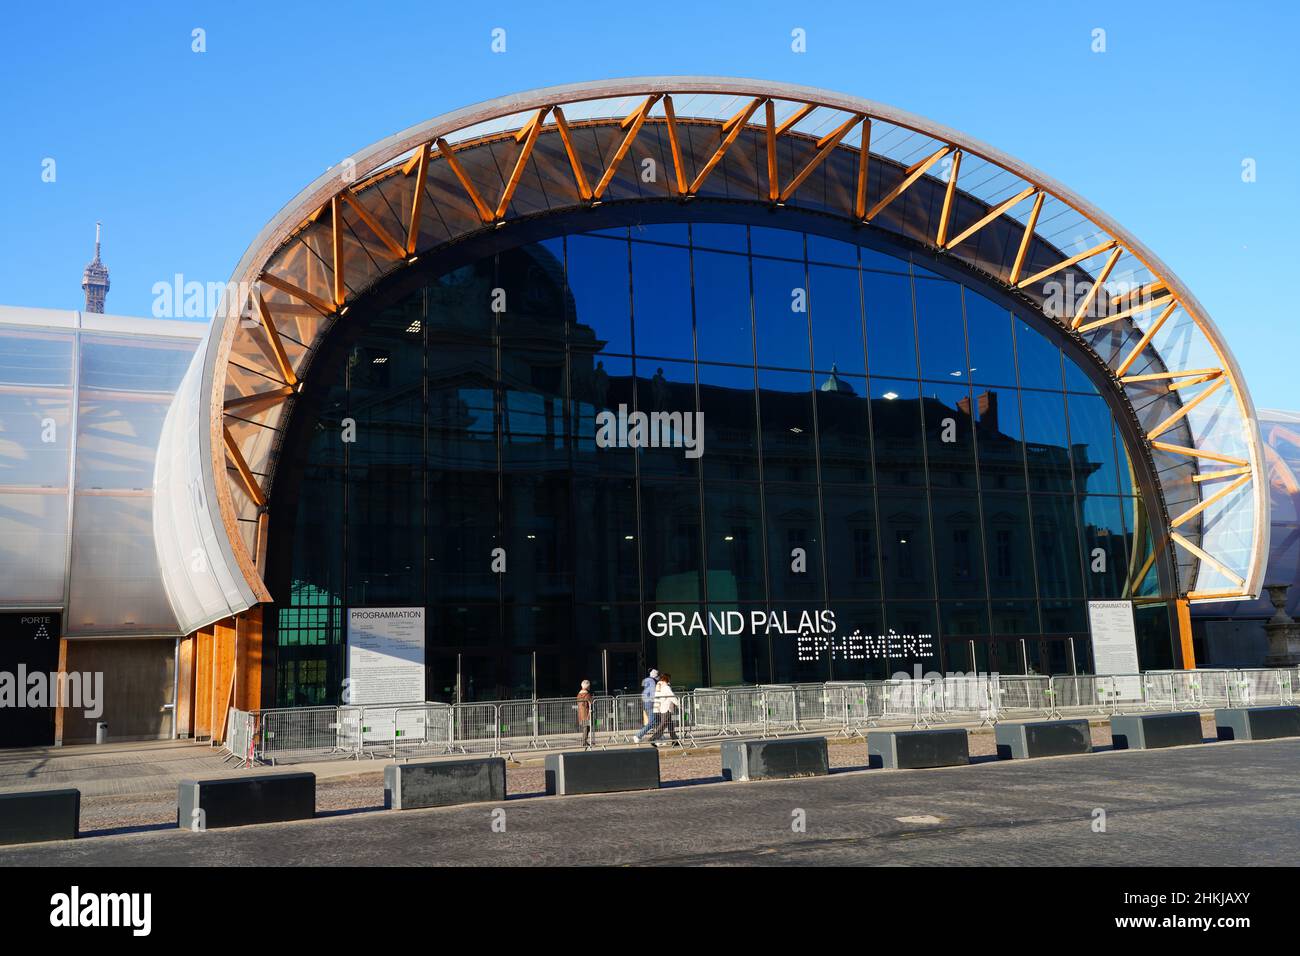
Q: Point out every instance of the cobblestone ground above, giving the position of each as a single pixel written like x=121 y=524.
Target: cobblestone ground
x=135 y=800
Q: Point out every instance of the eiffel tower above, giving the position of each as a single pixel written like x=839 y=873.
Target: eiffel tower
x=95 y=280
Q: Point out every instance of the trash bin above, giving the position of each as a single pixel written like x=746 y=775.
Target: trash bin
x=101 y=732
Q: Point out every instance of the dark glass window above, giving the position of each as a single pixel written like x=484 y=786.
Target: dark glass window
x=724 y=328
x=601 y=290
x=941 y=332
x=781 y=314
x=903 y=452
x=836 y=310
x=891 y=330
x=661 y=301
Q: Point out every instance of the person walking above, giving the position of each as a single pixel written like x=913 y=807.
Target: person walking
x=584 y=715
x=648 y=715
x=666 y=704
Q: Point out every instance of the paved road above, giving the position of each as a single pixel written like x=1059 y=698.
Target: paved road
x=1220 y=804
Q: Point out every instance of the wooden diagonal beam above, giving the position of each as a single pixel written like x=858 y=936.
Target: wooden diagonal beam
x=533 y=128
x=825 y=146
x=679 y=172
x=1114 y=317
x=1143 y=342
x=377 y=227
x=864 y=163
x=1223 y=492
x=417 y=200
x=566 y=137
x=634 y=122
x=795 y=117
x=466 y=183
x=773 y=171
x=725 y=144
x=1209 y=559
x=992 y=214
x=1153 y=376
x=913 y=174
x=1199 y=453
x=1065 y=264
x=246 y=477
x=1030 y=225
x=945 y=213
x=273 y=337
x=252 y=404
x=1188 y=383
x=1097 y=283
x=336 y=244
x=1177 y=416
x=317 y=303
x=1220 y=474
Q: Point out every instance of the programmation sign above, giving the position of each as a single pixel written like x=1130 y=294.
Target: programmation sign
x=1114 y=643
x=385 y=655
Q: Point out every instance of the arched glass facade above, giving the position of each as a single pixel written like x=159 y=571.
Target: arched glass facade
x=882 y=447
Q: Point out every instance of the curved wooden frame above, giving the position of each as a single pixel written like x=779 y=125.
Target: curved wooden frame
x=785 y=117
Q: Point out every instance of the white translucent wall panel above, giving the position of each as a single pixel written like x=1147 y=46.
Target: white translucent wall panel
x=125 y=388
x=33 y=549
x=36 y=374
x=198 y=571
x=116 y=588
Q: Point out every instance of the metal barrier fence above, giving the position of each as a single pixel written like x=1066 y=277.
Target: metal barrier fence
x=842 y=708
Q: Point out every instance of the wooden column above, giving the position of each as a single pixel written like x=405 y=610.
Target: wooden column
x=59 y=702
x=185 y=685
x=223 y=675
x=248 y=660
x=203 y=682
x=1185 y=634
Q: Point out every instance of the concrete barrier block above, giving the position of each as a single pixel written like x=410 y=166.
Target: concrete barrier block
x=444 y=783
x=602 y=771
x=239 y=801
x=1257 y=723
x=1042 y=738
x=917 y=749
x=1151 y=731
x=775 y=759
x=38 y=816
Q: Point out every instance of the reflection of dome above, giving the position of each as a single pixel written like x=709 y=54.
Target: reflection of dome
x=837 y=384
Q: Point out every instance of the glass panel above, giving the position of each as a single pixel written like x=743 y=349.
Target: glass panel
x=1047 y=450
x=1039 y=361
x=661 y=301
x=1056 y=546
x=941 y=331
x=598 y=281
x=852 y=544
x=844 y=429
x=670 y=550
x=786 y=413
x=958 y=560
x=891 y=333
x=1091 y=446
x=783 y=243
x=733 y=521
x=717 y=235
x=949 y=435
x=1007 y=548
x=1105 y=556
x=781 y=314
x=896 y=431
x=836 y=312
x=992 y=355
x=794 y=542
x=605 y=541
x=905 y=543
x=724 y=328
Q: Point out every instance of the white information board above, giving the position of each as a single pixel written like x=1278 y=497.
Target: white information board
x=1114 y=643
x=385 y=655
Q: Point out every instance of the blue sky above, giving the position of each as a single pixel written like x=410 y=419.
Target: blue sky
x=184 y=156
